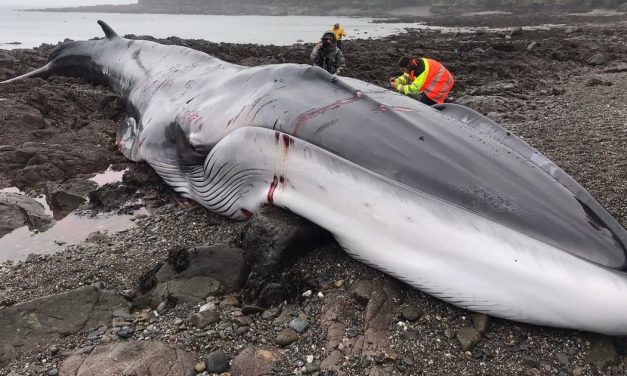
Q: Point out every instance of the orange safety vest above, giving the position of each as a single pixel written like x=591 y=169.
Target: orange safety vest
x=439 y=81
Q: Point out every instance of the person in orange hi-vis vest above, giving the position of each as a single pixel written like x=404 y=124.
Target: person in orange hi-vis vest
x=426 y=76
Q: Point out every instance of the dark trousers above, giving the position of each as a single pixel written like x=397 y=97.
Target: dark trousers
x=426 y=100
x=339 y=44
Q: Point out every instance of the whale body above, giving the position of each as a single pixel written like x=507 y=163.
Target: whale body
x=440 y=197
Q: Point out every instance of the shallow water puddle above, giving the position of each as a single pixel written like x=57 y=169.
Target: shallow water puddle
x=72 y=229
x=108 y=177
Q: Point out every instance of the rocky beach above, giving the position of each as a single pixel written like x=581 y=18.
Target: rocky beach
x=186 y=292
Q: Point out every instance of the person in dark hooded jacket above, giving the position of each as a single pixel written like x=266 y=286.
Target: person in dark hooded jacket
x=327 y=56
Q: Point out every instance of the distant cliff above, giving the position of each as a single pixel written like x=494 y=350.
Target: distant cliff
x=522 y=5
x=283 y=6
x=347 y=7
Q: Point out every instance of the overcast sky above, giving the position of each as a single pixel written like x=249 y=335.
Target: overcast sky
x=59 y=3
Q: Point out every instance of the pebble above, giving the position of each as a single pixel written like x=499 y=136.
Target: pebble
x=200 y=367
x=216 y=362
x=125 y=332
x=562 y=358
x=410 y=313
x=299 y=325
x=207 y=307
x=286 y=336
x=204 y=318
x=178 y=321
x=449 y=333
x=271 y=313
x=53 y=372
x=480 y=321
x=229 y=301
x=312 y=368
x=468 y=338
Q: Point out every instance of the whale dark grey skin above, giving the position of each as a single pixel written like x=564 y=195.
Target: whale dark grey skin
x=441 y=198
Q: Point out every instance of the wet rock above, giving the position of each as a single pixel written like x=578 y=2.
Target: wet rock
x=480 y=321
x=221 y=262
x=112 y=196
x=602 y=353
x=139 y=175
x=254 y=361
x=271 y=294
x=216 y=362
x=28 y=325
x=69 y=195
x=187 y=290
x=286 y=336
x=129 y=358
x=597 y=59
x=202 y=319
x=468 y=338
x=18 y=210
x=299 y=325
x=275 y=237
x=211 y=270
x=97 y=237
x=21 y=117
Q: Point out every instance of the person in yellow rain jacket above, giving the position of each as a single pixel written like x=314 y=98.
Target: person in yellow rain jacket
x=426 y=76
x=339 y=33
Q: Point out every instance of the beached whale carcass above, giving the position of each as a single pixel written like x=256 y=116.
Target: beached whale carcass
x=443 y=199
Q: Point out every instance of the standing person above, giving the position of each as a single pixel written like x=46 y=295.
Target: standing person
x=339 y=33
x=425 y=76
x=327 y=56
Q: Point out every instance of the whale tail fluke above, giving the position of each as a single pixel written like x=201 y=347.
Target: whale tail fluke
x=109 y=33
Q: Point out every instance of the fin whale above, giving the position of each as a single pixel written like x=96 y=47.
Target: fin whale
x=442 y=198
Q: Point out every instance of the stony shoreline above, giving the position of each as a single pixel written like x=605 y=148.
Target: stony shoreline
x=560 y=89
